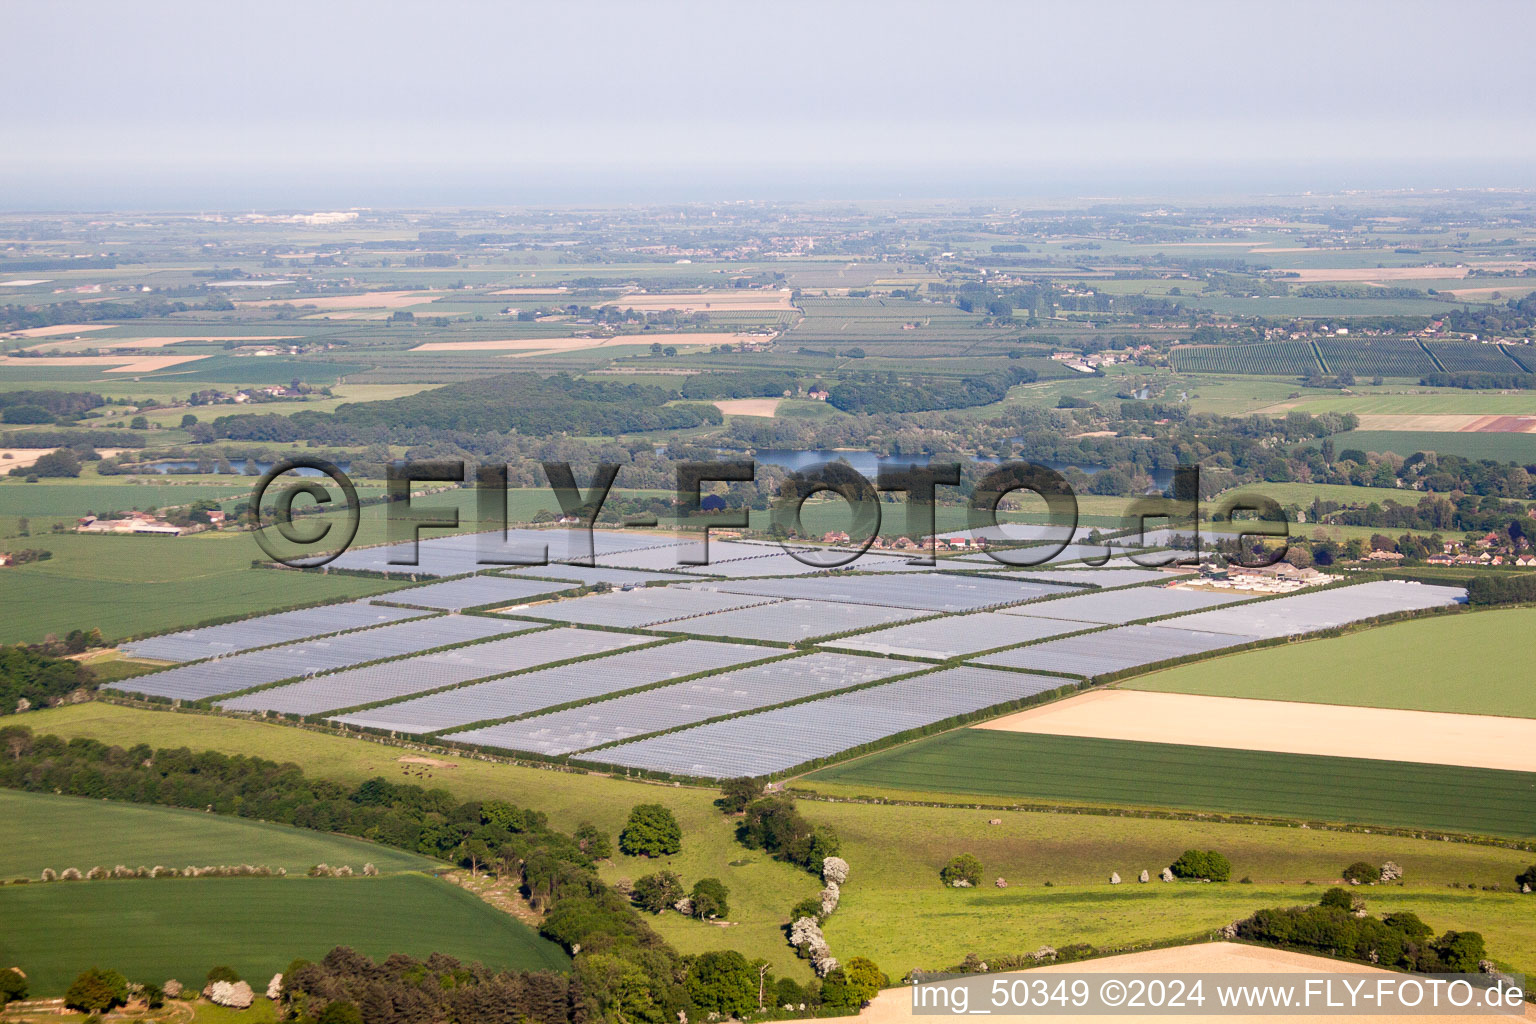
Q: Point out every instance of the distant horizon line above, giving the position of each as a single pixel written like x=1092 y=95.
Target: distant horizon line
x=75 y=189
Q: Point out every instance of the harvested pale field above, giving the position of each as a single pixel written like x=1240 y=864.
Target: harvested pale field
x=149 y=364
x=151 y=342
x=749 y=406
x=1369 y=275
x=1448 y=424
x=368 y=300
x=558 y=290
x=159 y=342
x=114 y=364
x=58 y=329
x=21 y=458
x=703 y=302
x=1289 y=727
x=895 y=1004
x=23 y=282
x=533 y=346
x=1508 y=291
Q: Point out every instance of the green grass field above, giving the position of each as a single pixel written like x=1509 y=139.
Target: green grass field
x=47 y=831
x=1027 y=766
x=990 y=921
x=1500 y=447
x=67 y=500
x=130 y=585
x=1472 y=664
x=152 y=930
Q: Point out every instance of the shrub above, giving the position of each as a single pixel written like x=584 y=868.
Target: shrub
x=340 y=1012
x=808 y=907
x=236 y=995
x=1202 y=864
x=651 y=831
x=221 y=973
x=1360 y=873
x=1526 y=880
x=594 y=842
x=834 y=869
x=13 y=985
x=865 y=979
x=962 y=871
x=1341 y=899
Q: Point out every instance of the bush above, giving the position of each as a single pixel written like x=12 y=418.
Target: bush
x=1526 y=879
x=340 y=1012
x=1361 y=873
x=865 y=979
x=593 y=841
x=221 y=973
x=962 y=871
x=1338 y=899
x=651 y=831
x=1202 y=864
x=13 y=985
x=235 y=994
x=1337 y=926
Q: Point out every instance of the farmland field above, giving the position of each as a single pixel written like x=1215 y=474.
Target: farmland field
x=990 y=921
x=1367 y=357
x=1470 y=664
x=178 y=928
x=1022 y=766
x=1273 y=358
x=1411 y=402
x=1500 y=447
x=47 y=831
x=1293 y=727
x=131 y=585
x=1475 y=358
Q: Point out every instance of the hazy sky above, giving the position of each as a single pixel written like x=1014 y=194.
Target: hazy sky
x=194 y=103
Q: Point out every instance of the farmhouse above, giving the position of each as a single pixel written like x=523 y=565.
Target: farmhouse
x=134 y=522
